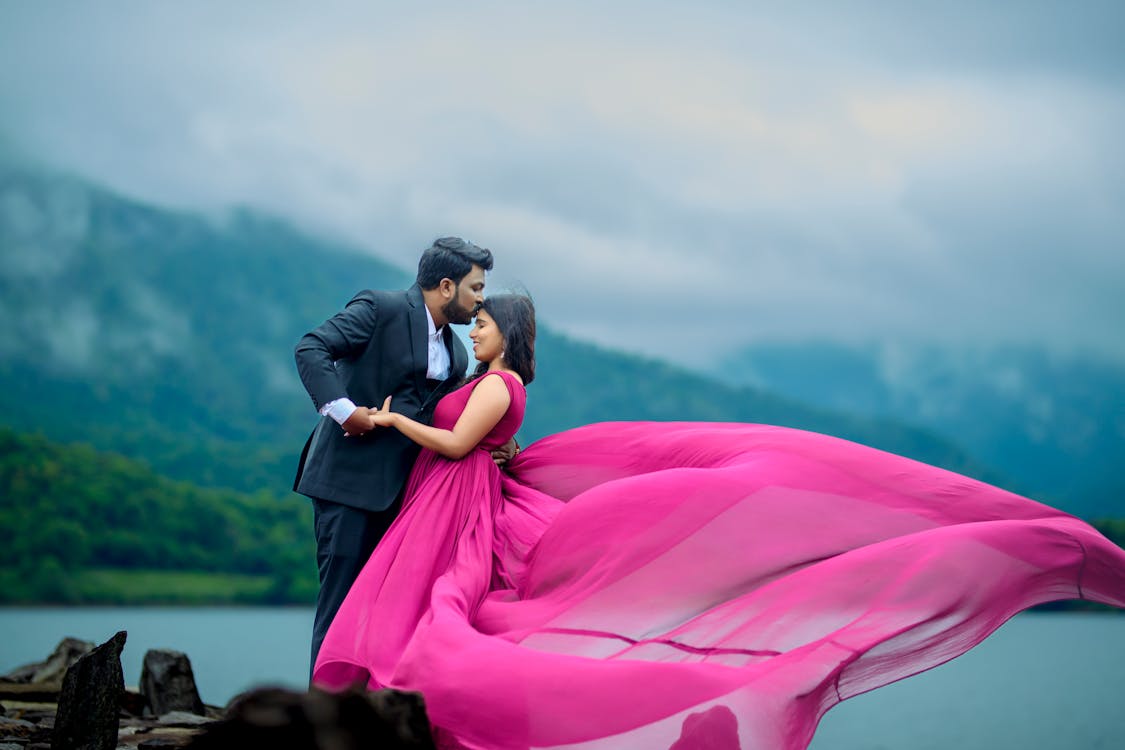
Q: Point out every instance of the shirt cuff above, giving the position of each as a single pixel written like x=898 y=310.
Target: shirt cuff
x=339 y=410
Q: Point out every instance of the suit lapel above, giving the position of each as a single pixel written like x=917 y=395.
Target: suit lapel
x=419 y=339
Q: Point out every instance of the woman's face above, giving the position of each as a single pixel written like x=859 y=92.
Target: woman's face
x=488 y=342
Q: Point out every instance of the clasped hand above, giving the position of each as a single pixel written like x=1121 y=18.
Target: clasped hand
x=365 y=419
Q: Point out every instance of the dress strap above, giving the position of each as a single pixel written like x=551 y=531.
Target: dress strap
x=509 y=377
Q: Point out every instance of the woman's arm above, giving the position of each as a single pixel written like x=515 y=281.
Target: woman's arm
x=487 y=405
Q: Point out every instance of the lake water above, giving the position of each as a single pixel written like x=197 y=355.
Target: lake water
x=1043 y=681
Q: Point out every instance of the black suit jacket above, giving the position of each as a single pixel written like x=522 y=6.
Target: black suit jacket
x=377 y=346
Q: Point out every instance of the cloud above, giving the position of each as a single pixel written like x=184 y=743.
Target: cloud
x=671 y=180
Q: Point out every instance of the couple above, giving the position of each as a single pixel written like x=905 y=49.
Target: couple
x=651 y=585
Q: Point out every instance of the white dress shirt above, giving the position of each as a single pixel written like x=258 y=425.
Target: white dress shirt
x=439 y=356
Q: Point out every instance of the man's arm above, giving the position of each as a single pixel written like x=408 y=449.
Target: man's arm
x=343 y=335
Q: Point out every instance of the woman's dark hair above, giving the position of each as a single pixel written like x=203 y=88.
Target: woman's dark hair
x=450 y=258
x=515 y=317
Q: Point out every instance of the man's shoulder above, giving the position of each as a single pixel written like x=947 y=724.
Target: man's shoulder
x=383 y=298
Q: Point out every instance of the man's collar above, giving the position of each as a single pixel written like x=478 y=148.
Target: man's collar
x=431 y=326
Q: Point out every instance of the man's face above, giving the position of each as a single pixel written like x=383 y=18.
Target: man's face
x=467 y=298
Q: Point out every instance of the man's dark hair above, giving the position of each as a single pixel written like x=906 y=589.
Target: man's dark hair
x=515 y=317
x=451 y=258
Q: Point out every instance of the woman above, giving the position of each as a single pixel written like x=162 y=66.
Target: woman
x=678 y=585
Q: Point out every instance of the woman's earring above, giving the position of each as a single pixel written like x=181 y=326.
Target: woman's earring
x=501 y=354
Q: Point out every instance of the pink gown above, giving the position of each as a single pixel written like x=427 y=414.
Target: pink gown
x=687 y=586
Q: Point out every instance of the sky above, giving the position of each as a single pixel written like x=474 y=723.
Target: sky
x=675 y=179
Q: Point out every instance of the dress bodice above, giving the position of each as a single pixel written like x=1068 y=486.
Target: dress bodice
x=449 y=409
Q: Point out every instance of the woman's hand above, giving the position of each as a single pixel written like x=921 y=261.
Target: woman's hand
x=382 y=417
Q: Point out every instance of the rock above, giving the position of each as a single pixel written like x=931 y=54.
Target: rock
x=183 y=719
x=715 y=727
x=90 y=699
x=132 y=702
x=15 y=728
x=158 y=743
x=167 y=683
x=284 y=719
x=65 y=654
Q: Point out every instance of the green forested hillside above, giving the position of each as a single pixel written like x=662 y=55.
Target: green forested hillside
x=87 y=526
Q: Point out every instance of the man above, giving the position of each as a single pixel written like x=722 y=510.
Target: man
x=381 y=344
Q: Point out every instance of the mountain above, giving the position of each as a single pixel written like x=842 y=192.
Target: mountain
x=167 y=337
x=160 y=334
x=581 y=383
x=1056 y=422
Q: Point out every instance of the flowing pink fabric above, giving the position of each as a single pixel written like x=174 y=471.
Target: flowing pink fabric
x=688 y=586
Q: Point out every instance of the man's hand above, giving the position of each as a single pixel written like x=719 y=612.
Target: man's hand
x=364 y=419
x=359 y=423
x=504 y=453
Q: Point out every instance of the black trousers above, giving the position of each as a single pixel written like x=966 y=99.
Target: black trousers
x=345 y=537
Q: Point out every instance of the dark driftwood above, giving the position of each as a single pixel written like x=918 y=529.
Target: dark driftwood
x=41 y=692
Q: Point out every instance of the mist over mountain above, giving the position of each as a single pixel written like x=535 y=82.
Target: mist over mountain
x=168 y=337
x=1055 y=421
x=163 y=335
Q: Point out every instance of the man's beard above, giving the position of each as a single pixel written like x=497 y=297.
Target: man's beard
x=455 y=313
